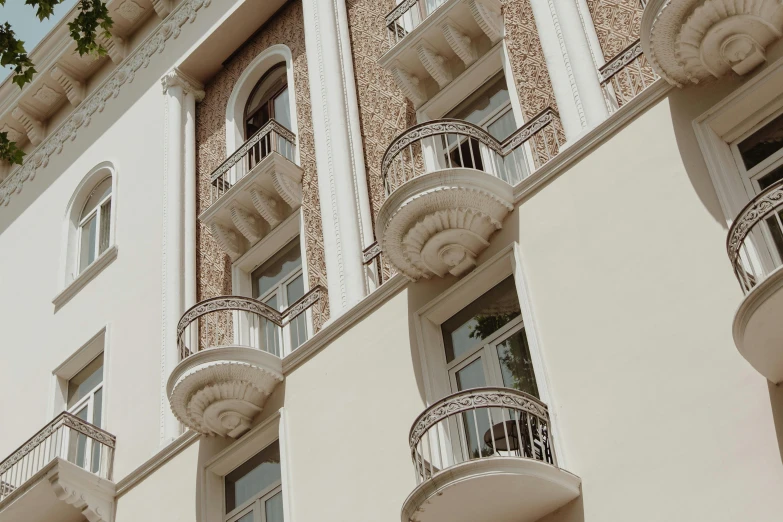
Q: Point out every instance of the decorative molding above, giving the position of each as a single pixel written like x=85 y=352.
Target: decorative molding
x=229 y=241
x=74 y=89
x=130 y=10
x=488 y=17
x=371 y=252
x=249 y=225
x=176 y=78
x=185 y=12
x=290 y=189
x=90 y=494
x=435 y=64
x=46 y=95
x=409 y=85
x=115 y=47
x=13 y=134
x=459 y=42
x=35 y=130
x=162 y=8
x=619 y=62
x=267 y=207
x=87 y=275
x=691 y=41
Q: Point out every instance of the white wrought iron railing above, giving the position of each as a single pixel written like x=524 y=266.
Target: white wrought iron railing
x=755 y=240
x=272 y=138
x=477 y=424
x=406 y=16
x=444 y=144
x=625 y=76
x=67 y=437
x=243 y=321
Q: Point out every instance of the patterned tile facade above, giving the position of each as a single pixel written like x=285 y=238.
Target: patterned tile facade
x=617 y=24
x=214 y=267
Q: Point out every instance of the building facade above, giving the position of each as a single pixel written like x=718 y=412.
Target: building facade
x=438 y=260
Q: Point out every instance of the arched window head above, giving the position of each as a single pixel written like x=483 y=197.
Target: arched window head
x=269 y=100
x=94 y=228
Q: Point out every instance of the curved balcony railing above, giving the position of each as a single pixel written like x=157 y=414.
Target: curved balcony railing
x=755 y=240
x=480 y=423
x=448 y=143
x=243 y=321
x=272 y=137
x=67 y=437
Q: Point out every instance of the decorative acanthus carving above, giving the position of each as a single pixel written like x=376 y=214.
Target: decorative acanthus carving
x=289 y=189
x=247 y=223
x=176 y=78
x=115 y=47
x=162 y=7
x=130 y=10
x=488 y=17
x=439 y=223
x=436 y=65
x=267 y=206
x=690 y=41
x=409 y=85
x=229 y=241
x=459 y=42
x=91 y=495
x=35 y=130
x=74 y=89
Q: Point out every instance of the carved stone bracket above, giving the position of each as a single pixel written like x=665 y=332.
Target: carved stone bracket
x=410 y=86
x=488 y=17
x=247 y=223
x=162 y=7
x=92 y=495
x=231 y=242
x=115 y=47
x=436 y=65
x=267 y=207
x=459 y=42
x=35 y=129
x=74 y=89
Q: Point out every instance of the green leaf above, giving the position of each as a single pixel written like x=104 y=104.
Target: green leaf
x=12 y=52
x=9 y=151
x=93 y=15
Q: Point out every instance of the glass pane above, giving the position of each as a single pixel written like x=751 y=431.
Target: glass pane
x=85 y=381
x=762 y=144
x=516 y=365
x=298 y=328
x=295 y=290
x=277 y=269
x=98 y=194
x=257 y=108
x=282 y=109
x=471 y=376
x=89 y=233
x=77 y=443
x=105 y=227
x=480 y=319
x=253 y=477
x=502 y=127
x=482 y=104
x=274 y=508
x=771 y=177
x=97 y=407
x=247 y=517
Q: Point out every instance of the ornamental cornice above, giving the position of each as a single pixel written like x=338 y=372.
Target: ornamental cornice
x=692 y=41
x=155 y=43
x=176 y=78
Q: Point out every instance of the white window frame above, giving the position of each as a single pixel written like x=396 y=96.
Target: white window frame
x=96 y=213
x=243 y=268
x=211 y=480
x=429 y=338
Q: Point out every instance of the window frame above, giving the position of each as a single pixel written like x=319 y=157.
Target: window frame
x=96 y=212
x=269 y=97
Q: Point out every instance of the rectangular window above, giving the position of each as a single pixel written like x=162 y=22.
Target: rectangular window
x=84 y=399
x=253 y=491
x=280 y=283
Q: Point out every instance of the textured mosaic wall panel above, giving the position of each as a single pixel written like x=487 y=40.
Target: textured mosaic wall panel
x=617 y=24
x=214 y=267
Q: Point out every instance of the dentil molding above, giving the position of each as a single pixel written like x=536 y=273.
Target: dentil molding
x=439 y=223
x=95 y=103
x=691 y=41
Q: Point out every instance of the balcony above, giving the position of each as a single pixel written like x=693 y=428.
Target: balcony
x=431 y=42
x=230 y=361
x=693 y=41
x=625 y=76
x=449 y=186
x=486 y=454
x=254 y=190
x=61 y=474
x=755 y=248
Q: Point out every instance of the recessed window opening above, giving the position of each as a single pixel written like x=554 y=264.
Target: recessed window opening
x=95 y=224
x=280 y=283
x=269 y=100
x=253 y=491
x=759 y=157
x=84 y=399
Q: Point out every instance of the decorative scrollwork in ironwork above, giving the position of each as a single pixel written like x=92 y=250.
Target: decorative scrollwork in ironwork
x=766 y=203
x=371 y=252
x=619 y=62
x=271 y=126
x=472 y=399
x=304 y=302
x=399 y=10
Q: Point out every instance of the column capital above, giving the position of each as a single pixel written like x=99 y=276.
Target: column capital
x=176 y=78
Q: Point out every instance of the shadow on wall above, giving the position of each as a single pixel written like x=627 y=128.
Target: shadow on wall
x=574 y=511
x=776 y=403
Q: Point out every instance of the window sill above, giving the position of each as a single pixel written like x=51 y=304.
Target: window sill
x=85 y=277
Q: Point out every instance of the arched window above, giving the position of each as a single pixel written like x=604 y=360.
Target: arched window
x=94 y=228
x=268 y=101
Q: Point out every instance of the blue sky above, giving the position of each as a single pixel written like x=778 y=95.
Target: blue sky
x=26 y=25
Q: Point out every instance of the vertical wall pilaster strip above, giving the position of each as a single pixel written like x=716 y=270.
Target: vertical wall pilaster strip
x=190 y=200
x=336 y=160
